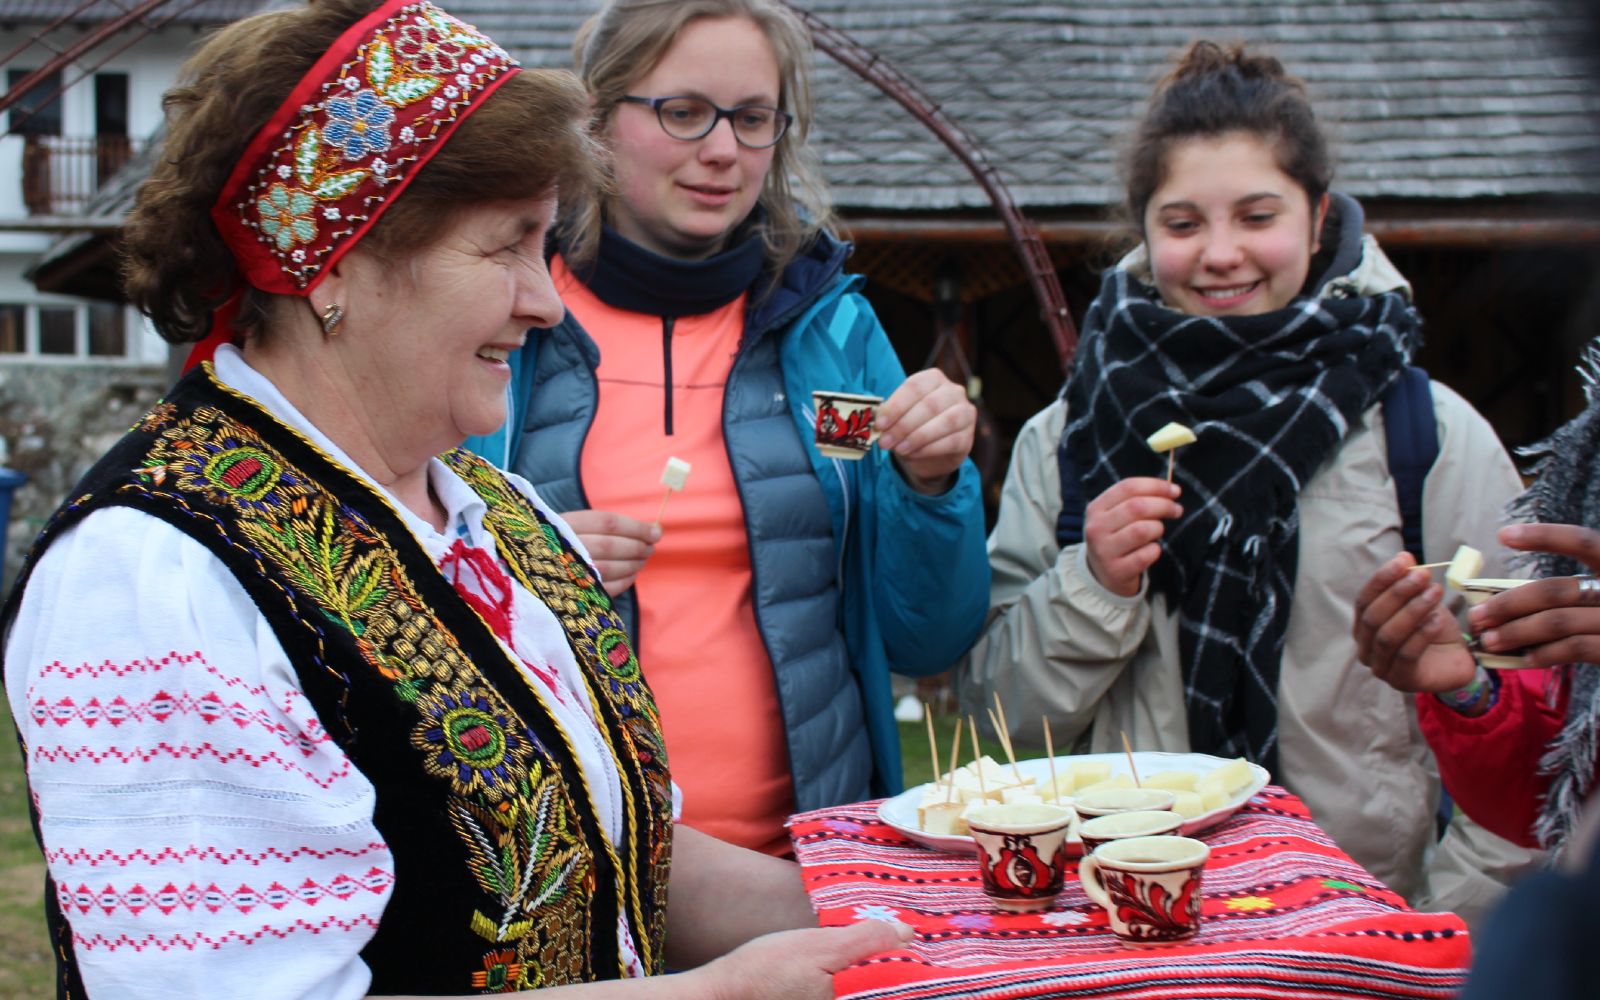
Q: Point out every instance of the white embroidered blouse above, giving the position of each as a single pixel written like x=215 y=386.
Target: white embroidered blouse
x=206 y=836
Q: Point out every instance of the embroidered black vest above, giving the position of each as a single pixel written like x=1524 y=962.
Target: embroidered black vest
x=504 y=879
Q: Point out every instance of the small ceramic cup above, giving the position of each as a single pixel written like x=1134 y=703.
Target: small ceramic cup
x=1149 y=886
x=1476 y=592
x=1117 y=800
x=1022 y=852
x=846 y=423
x=1136 y=823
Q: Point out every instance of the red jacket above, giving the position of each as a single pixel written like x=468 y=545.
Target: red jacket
x=1490 y=763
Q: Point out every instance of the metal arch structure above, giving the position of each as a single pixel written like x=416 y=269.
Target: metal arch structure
x=866 y=64
x=91 y=40
x=895 y=84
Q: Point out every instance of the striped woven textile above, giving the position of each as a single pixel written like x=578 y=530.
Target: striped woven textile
x=1286 y=915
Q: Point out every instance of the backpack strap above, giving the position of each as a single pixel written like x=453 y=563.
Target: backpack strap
x=1069 y=523
x=1413 y=441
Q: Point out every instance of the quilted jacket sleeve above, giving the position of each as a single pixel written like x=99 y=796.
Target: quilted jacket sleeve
x=931 y=570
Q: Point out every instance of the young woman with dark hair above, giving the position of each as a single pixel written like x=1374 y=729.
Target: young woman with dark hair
x=1210 y=613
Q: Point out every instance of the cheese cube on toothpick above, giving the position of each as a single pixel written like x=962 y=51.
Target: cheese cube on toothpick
x=1466 y=565
x=673 y=477
x=1169 y=439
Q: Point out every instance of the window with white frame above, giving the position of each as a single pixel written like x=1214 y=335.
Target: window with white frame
x=65 y=330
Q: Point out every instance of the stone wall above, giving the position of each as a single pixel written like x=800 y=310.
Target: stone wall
x=55 y=421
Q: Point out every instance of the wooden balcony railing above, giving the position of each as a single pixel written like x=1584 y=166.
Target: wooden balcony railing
x=61 y=173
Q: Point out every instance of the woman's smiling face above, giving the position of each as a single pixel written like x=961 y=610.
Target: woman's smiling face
x=1229 y=233
x=682 y=198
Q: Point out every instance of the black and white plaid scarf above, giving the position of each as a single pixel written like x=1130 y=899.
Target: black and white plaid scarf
x=1567 y=491
x=1270 y=398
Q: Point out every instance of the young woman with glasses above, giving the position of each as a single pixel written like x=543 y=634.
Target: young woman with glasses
x=706 y=297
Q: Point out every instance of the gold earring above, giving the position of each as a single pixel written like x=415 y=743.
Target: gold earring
x=331 y=318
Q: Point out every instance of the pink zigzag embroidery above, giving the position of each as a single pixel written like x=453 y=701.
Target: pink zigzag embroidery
x=152 y=665
x=82 y=856
x=161 y=706
x=60 y=753
x=170 y=899
x=192 y=942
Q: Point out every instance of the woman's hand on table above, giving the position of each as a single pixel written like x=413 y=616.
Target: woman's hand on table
x=1545 y=617
x=1122 y=530
x=787 y=965
x=618 y=545
x=1404 y=634
x=927 y=424
x=799 y=964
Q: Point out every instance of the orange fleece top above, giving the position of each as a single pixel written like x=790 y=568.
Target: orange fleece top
x=697 y=642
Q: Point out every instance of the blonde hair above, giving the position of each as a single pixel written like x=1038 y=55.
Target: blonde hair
x=525 y=140
x=625 y=41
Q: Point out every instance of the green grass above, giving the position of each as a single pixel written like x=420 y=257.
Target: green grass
x=914 y=748
x=26 y=970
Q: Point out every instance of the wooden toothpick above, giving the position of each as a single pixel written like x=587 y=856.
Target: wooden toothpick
x=1005 y=736
x=1050 y=755
x=933 y=745
x=1131 y=766
x=977 y=755
x=955 y=751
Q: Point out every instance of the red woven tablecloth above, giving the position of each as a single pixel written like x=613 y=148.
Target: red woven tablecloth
x=1286 y=914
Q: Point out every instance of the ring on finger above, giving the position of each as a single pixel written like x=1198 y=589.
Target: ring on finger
x=1589 y=591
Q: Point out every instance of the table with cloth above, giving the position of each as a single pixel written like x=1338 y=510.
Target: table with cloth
x=1285 y=914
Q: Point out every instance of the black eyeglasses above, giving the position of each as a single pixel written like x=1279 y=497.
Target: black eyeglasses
x=755 y=126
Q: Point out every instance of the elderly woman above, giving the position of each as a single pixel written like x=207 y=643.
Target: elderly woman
x=707 y=299
x=312 y=703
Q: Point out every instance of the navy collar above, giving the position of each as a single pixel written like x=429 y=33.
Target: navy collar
x=627 y=276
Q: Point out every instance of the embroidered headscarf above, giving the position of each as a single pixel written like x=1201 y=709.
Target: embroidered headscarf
x=346 y=142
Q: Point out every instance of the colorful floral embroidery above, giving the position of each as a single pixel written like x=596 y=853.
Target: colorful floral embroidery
x=286 y=216
x=369 y=126
x=359 y=124
x=500 y=973
x=510 y=809
x=1245 y=904
x=472 y=743
x=543 y=562
x=430 y=49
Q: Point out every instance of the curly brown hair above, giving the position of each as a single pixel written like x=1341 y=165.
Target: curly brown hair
x=1214 y=91
x=525 y=140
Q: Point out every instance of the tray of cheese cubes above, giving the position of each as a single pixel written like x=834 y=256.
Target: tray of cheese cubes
x=1207 y=791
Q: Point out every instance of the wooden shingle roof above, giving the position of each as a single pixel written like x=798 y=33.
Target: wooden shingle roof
x=1426 y=99
x=46 y=11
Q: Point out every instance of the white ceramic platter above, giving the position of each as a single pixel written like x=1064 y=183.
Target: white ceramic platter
x=900 y=811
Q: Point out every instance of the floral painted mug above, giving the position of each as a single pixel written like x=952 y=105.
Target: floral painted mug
x=1022 y=852
x=1149 y=886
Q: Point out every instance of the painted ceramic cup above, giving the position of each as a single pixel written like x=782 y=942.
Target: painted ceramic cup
x=1022 y=852
x=1476 y=592
x=846 y=423
x=1149 y=886
x=1118 y=826
x=1118 y=800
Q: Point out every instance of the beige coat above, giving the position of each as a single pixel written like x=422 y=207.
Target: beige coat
x=1098 y=664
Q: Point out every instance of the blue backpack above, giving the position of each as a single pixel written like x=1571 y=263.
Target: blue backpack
x=1413 y=439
